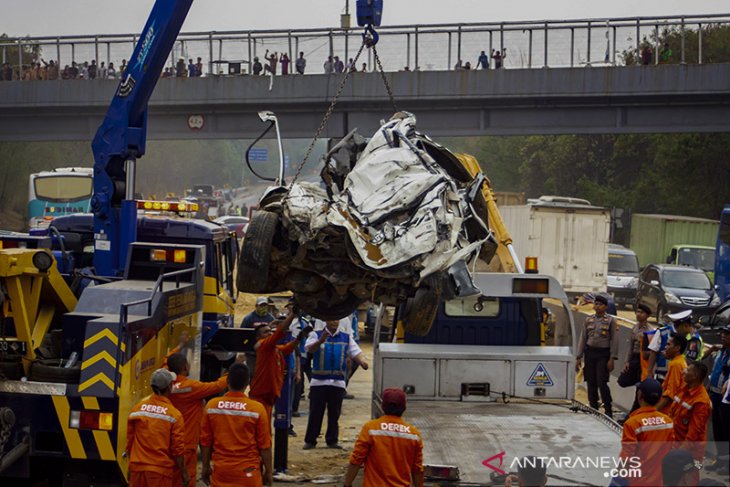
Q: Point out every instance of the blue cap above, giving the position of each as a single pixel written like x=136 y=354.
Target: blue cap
x=650 y=387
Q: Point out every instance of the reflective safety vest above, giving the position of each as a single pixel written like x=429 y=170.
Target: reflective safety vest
x=330 y=360
x=692 y=353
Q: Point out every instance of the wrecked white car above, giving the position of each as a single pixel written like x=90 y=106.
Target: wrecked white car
x=396 y=220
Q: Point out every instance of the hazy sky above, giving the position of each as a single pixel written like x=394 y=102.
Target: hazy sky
x=63 y=17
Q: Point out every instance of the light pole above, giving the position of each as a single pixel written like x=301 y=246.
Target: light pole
x=345 y=18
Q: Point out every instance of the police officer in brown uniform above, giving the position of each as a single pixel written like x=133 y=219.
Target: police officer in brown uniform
x=598 y=344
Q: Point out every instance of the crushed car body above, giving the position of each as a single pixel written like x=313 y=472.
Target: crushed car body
x=395 y=220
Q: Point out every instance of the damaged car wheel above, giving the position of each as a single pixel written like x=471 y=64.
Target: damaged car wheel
x=253 y=262
x=420 y=310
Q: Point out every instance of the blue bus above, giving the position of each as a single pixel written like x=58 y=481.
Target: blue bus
x=62 y=191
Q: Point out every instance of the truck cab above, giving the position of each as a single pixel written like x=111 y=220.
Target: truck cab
x=700 y=256
x=483 y=381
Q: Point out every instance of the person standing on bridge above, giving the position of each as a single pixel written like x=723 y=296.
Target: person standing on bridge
x=598 y=343
x=300 y=63
x=236 y=436
x=499 y=57
x=273 y=60
x=483 y=61
x=390 y=448
x=156 y=437
x=285 y=61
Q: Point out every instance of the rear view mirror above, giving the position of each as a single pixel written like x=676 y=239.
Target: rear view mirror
x=654 y=283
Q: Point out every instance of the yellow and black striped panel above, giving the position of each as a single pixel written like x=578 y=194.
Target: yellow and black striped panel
x=99 y=369
x=86 y=444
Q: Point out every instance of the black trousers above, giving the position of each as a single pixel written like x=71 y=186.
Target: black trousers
x=306 y=365
x=596 y=375
x=321 y=398
x=720 y=424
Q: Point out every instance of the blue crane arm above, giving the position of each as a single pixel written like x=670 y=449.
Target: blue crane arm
x=121 y=138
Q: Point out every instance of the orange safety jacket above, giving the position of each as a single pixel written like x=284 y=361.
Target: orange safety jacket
x=268 y=377
x=673 y=381
x=237 y=429
x=648 y=435
x=187 y=396
x=155 y=436
x=391 y=450
x=691 y=411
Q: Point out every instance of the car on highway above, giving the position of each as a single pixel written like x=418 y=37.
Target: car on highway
x=396 y=218
x=234 y=223
x=623 y=274
x=667 y=288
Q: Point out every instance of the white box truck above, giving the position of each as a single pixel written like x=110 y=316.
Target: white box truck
x=569 y=236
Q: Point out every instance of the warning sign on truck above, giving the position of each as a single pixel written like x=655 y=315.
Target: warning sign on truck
x=540 y=377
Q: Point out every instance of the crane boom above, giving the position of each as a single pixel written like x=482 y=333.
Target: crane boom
x=121 y=138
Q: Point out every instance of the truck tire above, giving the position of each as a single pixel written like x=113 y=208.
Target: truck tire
x=54 y=370
x=11 y=370
x=420 y=310
x=254 y=260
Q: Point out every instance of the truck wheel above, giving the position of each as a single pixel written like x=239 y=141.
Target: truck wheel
x=54 y=370
x=11 y=370
x=254 y=260
x=420 y=310
x=327 y=305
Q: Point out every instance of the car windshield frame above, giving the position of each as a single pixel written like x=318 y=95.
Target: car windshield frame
x=624 y=262
x=682 y=279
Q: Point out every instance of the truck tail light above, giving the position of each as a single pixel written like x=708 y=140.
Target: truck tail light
x=91 y=420
x=179 y=256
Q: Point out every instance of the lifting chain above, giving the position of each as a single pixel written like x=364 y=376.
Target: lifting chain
x=385 y=80
x=7 y=420
x=367 y=42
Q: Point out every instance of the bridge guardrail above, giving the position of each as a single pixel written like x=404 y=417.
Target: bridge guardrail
x=528 y=44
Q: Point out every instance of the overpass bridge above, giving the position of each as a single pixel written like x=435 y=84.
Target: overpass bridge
x=586 y=100
x=560 y=77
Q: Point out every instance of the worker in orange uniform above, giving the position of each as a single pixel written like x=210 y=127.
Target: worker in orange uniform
x=390 y=448
x=188 y=397
x=236 y=435
x=674 y=379
x=691 y=412
x=268 y=377
x=156 y=437
x=648 y=435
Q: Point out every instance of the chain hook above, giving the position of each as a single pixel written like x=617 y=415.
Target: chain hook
x=370 y=37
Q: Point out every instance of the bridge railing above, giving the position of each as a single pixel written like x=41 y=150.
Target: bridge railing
x=526 y=44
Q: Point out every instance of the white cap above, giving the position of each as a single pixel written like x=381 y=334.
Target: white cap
x=162 y=378
x=685 y=315
x=262 y=300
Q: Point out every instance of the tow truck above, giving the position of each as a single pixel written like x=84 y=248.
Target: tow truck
x=485 y=392
x=93 y=306
x=76 y=355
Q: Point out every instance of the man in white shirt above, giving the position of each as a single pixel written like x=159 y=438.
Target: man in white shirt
x=330 y=348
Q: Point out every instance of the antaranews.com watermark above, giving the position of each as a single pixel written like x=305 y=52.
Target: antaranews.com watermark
x=625 y=467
